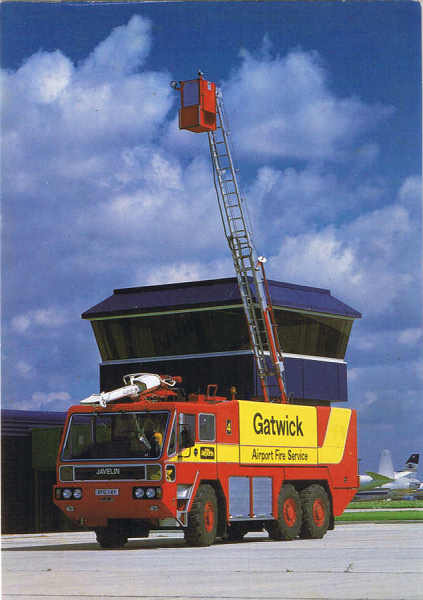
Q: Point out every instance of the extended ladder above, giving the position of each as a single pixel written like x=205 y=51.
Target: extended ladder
x=249 y=269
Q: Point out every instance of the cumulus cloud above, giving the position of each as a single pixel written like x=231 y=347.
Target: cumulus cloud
x=368 y=259
x=24 y=369
x=190 y=271
x=124 y=50
x=50 y=401
x=64 y=122
x=410 y=336
x=283 y=106
x=49 y=318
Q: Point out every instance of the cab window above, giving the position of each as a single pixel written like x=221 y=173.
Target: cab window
x=207 y=427
x=186 y=430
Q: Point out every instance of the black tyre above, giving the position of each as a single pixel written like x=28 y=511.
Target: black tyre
x=316 y=512
x=236 y=532
x=110 y=537
x=143 y=532
x=202 y=519
x=288 y=524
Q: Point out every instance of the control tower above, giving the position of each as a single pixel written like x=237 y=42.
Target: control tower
x=198 y=330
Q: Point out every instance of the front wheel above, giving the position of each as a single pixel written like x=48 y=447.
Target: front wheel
x=110 y=537
x=288 y=524
x=316 y=512
x=202 y=519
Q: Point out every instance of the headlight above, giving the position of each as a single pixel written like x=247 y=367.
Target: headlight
x=77 y=493
x=139 y=492
x=66 y=494
x=150 y=493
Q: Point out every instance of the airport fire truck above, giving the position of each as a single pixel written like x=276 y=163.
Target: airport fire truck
x=147 y=455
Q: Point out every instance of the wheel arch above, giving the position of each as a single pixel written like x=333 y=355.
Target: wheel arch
x=221 y=505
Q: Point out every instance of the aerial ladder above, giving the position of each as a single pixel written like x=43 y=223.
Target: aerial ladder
x=201 y=111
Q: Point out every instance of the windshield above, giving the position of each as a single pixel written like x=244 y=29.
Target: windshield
x=118 y=435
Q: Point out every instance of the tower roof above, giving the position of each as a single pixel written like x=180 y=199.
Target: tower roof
x=214 y=292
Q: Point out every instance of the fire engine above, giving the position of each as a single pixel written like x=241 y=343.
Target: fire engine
x=147 y=455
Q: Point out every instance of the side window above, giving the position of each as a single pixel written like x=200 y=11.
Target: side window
x=191 y=93
x=186 y=430
x=207 y=427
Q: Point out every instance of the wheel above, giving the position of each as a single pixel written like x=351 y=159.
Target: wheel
x=110 y=537
x=143 y=531
x=316 y=512
x=236 y=532
x=202 y=519
x=288 y=524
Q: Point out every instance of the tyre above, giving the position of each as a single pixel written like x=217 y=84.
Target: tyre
x=316 y=512
x=288 y=524
x=202 y=518
x=143 y=531
x=110 y=537
x=236 y=532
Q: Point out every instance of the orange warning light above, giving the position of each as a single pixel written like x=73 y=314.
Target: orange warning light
x=198 y=105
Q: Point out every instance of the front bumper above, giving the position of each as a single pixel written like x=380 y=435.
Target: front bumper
x=115 y=500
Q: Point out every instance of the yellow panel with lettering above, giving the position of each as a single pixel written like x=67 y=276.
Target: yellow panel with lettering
x=277 y=455
x=268 y=424
x=276 y=434
x=333 y=447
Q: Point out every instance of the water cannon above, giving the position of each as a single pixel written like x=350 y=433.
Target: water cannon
x=136 y=384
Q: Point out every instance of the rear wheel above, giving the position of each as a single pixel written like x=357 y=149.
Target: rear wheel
x=316 y=512
x=110 y=537
x=288 y=524
x=202 y=519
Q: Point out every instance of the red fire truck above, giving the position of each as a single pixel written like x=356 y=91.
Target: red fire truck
x=133 y=458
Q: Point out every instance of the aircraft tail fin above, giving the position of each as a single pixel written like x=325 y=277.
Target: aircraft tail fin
x=386 y=467
x=412 y=462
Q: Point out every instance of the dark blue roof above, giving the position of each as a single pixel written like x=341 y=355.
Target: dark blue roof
x=22 y=422
x=214 y=292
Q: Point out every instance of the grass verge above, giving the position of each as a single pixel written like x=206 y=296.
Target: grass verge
x=382 y=515
x=387 y=504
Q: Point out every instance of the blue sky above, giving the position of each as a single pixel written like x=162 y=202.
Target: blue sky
x=101 y=190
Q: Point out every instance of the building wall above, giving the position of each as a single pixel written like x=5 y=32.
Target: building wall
x=28 y=472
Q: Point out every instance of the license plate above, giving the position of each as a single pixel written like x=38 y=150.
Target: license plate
x=112 y=492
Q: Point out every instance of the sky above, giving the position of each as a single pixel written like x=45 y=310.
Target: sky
x=101 y=190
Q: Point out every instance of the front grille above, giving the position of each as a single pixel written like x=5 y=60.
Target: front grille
x=106 y=473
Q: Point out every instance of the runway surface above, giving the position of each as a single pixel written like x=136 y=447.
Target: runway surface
x=355 y=561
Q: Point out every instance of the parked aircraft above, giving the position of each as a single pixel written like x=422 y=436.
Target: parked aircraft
x=389 y=483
